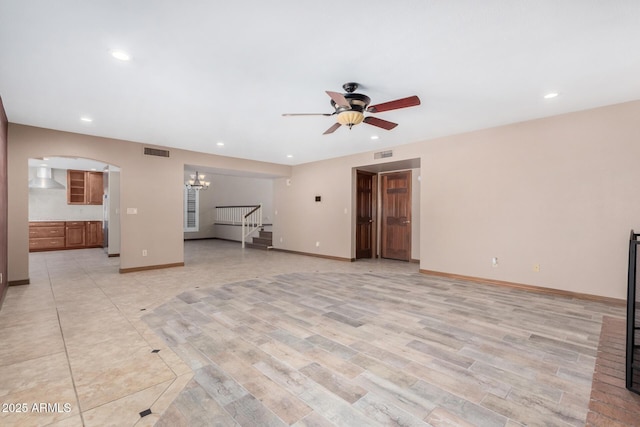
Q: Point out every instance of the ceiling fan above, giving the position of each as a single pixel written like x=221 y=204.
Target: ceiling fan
x=350 y=108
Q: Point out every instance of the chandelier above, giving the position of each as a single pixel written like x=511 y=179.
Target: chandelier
x=197 y=182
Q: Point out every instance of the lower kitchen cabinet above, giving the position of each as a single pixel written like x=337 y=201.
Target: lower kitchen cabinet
x=93 y=234
x=59 y=235
x=75 y=234
x=47 y=235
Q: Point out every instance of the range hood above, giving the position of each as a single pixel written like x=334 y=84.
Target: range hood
x=44 y=180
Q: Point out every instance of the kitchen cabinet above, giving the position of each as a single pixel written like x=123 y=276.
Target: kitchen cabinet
x=59 y=235
x=93 y=234
x=46 y=235
x=95 y=188
x=76 y=187
x=75 y=234
x=84 y=187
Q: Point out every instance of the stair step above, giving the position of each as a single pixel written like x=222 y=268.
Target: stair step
x=262 y=241
x=266 y=234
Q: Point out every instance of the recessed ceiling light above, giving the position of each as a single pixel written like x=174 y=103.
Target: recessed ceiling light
x=375 y=137
x=86 y=119
x=551 y=95
x=289 y=156
x=220 y=144
x=120 y=55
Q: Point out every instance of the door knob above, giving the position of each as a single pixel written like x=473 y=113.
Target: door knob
x=406 y=222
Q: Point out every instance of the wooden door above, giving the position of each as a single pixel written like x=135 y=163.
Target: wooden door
x=396 y=215
x=365 y=213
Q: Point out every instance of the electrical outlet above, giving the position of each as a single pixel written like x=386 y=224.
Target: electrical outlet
x=536 y=268
x=317 y=244
x=144 y=252
x=494 y=262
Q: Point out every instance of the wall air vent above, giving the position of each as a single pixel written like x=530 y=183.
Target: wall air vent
x=383 y=154
x=156 y=152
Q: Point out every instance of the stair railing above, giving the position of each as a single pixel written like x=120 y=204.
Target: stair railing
x=248 y=216
x=251 y=222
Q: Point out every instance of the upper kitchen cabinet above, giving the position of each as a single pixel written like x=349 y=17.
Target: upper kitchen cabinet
x=84 y=187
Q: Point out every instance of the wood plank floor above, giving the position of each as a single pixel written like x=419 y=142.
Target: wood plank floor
x=379 y=348
x=249 y=337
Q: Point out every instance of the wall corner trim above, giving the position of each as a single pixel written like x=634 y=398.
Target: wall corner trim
x=529 y=288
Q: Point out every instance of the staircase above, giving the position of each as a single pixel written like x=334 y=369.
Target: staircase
x=263 y=241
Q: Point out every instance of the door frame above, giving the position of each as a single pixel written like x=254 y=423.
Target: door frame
x=379 y=168
x=406 y=229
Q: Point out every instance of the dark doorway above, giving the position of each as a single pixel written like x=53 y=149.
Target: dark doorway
x=396 y=215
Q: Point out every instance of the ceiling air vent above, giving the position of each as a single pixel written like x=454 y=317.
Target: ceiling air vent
x=383 y=154
x=156 y=152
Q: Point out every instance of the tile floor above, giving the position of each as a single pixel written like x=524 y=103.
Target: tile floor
x=270 y=338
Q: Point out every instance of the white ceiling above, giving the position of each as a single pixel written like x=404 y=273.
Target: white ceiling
x=205 y=71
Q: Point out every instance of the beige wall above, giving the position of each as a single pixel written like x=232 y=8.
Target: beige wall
x=299 y=221
x=152 y=185
x=558 y=192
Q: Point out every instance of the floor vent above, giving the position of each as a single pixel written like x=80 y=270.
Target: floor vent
x=383 y=154
x=156 y=152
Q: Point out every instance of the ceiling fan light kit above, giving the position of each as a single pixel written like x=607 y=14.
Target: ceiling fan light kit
x=350 y=118
x=350 y=108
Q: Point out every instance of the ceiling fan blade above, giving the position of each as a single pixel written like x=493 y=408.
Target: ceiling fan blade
x=384 y=124
x=308 y=114
x=410 y=101
x=339 y=99
x=332 y=128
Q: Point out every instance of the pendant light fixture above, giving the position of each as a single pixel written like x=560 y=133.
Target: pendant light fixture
x=197 y=182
